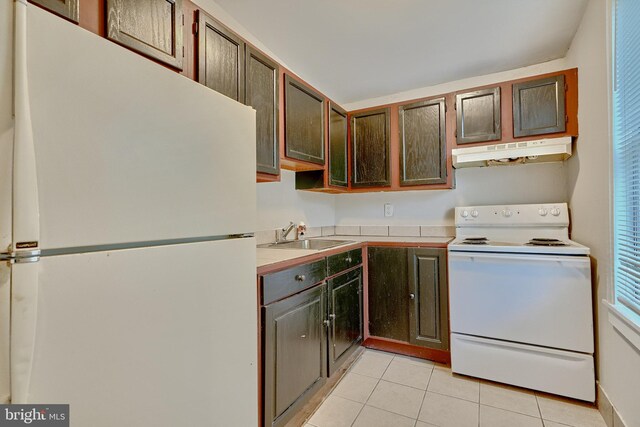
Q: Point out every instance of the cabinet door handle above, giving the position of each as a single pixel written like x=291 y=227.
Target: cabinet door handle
x=412 y=296
x=332 y=316
x=303 y=336
x=300 y=277
x=349 y=259
x=327 y=323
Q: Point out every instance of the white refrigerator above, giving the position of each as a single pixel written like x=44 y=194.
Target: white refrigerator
x=127 y=280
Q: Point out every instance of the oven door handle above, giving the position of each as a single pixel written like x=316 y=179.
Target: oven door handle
x=479 y=257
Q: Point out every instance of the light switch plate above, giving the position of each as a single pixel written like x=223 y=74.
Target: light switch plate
x=388 y=209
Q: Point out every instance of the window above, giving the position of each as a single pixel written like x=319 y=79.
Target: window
x=626 y=155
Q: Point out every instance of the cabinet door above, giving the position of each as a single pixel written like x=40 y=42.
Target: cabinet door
x=423 y=148
x=295 y=353
x=478 y=116
x=151 y=27
x=388 y=290
x=304 y=122
x=66 y=8
x=337 y=146
x=429 y=317
x=345 y=316
x=220 y=58
x=538 y=106
x=370 y=140
x=261 y=88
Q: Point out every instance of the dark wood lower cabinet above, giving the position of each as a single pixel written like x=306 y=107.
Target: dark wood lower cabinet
x=408 y=295
x=295 y=353
x=310 y=327
x=388 y=293
x=429 y=302
x=345 y=316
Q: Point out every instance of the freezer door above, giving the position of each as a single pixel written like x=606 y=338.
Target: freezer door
x=162 y=336
x=534 y=299
x=128 y=151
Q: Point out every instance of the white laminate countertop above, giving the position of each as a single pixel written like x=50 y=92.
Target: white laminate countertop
x=267 y=256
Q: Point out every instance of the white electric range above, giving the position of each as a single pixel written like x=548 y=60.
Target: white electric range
x=521 y=299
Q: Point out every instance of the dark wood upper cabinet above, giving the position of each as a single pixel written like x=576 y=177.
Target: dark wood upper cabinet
x=261 y=89
x=220 y=58
x=66 y=8
x=478 y=116
x=304 y=122
x=388 y=293
x=370 y=140
x=429 y=301
x=539 y=106
x=151 y=27
x=423 y=148
x=337 y=145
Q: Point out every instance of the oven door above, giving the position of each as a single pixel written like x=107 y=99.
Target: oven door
x=542 y=300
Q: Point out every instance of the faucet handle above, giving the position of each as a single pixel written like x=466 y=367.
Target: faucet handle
x=301 y=229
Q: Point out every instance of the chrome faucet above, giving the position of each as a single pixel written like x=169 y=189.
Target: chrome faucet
x=282 y=234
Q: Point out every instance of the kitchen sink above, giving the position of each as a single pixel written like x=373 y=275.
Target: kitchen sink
x=317 y=244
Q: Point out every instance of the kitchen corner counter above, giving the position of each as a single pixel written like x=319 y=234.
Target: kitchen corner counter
x=269 y=260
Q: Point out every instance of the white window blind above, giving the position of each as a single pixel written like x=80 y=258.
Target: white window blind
x=626 y=155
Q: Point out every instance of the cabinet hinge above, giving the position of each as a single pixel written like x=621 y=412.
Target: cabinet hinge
x=195 y=28
x=455 y=106
x=183 y=51
x=183 y=19
x=456 y=133
x=566 y=87
x=566 y=119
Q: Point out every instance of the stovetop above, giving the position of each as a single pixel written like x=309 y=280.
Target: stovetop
x=526 y=229
x=561 y=247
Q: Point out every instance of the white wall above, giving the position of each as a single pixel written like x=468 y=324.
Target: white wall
x=279 y=203
x=534 y=183
x=589 y=187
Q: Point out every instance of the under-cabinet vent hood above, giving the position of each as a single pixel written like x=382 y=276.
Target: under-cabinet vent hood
x=510 y=153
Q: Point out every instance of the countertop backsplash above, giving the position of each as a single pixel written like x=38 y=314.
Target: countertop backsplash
x=269 y=236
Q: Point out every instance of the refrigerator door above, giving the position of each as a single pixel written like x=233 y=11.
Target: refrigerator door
x=5 y=322
x=160 y=336
x=129 y=151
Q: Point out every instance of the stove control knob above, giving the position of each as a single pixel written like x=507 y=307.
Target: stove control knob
x=543 y=211
x=506 y=213
x=464 y=214
x=555 y=211
x=474 y=213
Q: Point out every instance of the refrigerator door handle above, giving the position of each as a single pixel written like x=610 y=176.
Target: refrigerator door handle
x=24 y=315
x=26 y=215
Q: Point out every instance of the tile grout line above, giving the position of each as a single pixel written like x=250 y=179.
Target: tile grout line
x=376 y=386
x=370 y=394
x=433 y=367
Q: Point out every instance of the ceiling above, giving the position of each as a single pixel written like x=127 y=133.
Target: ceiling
x=359 y=49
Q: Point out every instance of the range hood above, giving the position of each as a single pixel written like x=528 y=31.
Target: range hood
x=510 y=153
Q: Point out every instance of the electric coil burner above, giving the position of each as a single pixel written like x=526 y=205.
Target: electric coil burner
x=475 y=241
x=520 y=299
x=538 y=241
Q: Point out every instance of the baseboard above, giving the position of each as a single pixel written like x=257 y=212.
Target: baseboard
x=607 y=410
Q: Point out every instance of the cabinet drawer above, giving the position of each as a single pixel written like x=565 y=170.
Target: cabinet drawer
x=278 y=285
x=343 y=261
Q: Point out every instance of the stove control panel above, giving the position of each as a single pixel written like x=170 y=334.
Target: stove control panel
x=555 y=214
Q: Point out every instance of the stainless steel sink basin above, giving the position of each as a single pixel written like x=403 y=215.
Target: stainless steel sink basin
x=317 y=244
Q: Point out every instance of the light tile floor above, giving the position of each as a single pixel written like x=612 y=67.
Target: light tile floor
x=386 y=390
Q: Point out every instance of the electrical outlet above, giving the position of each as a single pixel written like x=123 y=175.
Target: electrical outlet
x=388 y=209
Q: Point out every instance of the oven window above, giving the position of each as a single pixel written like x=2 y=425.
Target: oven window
x=626 y=155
